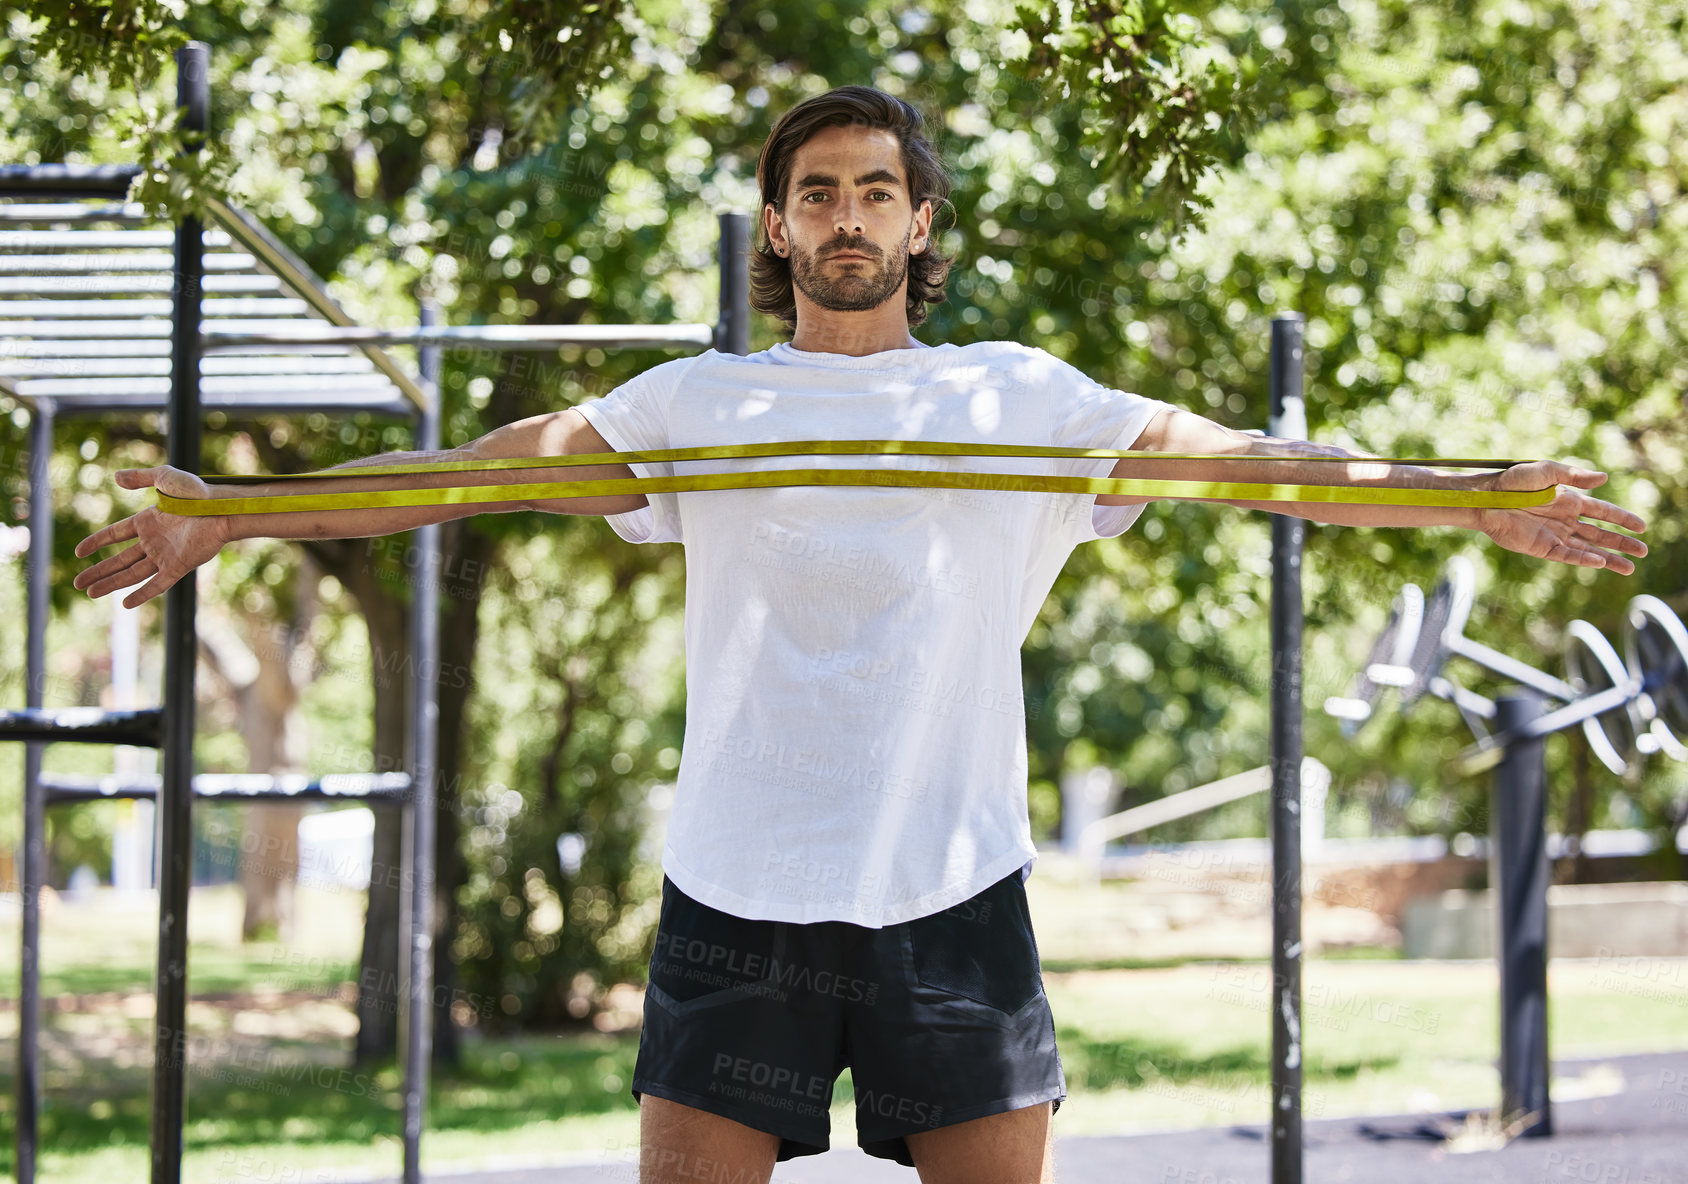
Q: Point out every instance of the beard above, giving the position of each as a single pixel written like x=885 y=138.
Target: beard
x=868 y=287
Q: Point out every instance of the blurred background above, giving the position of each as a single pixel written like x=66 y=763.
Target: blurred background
x=1477 y=206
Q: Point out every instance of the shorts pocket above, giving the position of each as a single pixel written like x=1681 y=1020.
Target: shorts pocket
x=981 y=949
x=704 y=957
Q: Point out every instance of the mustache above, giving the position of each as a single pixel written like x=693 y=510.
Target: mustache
x=860 y=246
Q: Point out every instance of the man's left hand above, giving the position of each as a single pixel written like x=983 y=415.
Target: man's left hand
x=1556 y=530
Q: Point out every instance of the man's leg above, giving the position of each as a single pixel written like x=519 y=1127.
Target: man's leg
x=1014 y=1147
x=680 y=1144
x=735 y=1066
x=953 y=1051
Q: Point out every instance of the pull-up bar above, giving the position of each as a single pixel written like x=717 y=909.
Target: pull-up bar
x=293 y=334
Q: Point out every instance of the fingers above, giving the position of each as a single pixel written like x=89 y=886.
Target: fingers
x=137 y=478
x=1576 y=475
x=117 y=532
x=106 y=568
x=1611 y=540
x=157 y=586
x=1576 y=555
x=132 y=574
x=1615 y=563
x=124 y=529
x=1593 y=507
x=1579 y=554
x=1588 y=545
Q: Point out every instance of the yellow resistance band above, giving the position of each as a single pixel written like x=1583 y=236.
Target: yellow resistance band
x=766 y=479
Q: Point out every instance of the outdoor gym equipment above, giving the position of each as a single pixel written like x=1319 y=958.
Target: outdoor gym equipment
x=95 y=334
x=1627 y=707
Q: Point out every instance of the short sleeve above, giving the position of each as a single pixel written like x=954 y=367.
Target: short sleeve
x=634 y=417
x=1086 y=414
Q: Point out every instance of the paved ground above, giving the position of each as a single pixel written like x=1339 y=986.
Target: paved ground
x=1637 y=1133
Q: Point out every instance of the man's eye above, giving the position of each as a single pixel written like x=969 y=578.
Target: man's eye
x=807 y=196
x=880 y=193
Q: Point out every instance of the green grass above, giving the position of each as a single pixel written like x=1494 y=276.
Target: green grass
x=291 y=1109
x=1189 y=1046
x=109 y=945
x=1162 y=1044
x=1363 y=954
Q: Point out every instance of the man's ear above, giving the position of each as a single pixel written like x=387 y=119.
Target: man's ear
x=774 y=225
x=920 y=235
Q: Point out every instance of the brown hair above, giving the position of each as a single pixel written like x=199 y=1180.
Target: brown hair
x=770 y=274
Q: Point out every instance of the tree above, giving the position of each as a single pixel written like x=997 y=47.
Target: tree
x=1476 y=206
x=262 y=664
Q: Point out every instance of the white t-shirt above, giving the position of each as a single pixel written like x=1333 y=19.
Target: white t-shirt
x=855 y=744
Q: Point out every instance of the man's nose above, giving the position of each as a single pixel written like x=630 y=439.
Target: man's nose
x=847 y=216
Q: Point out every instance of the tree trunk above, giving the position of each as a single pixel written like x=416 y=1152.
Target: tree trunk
x=269 y=873
x=469 y=551
x=275 y=742
x=354 y=563
x=261 y=673
x=379 y=971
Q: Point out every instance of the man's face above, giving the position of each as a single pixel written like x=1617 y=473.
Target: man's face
x=848 y=219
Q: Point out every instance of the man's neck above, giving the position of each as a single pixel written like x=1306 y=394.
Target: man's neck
x=853 y=333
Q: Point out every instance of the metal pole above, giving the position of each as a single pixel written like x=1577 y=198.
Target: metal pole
x=34 y=868
x=424 y=728
x=732 y=333
x=1289 y=420
x=175 y=798
x=1519 y=873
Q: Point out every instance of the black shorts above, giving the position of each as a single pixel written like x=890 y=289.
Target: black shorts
x=941 y=1019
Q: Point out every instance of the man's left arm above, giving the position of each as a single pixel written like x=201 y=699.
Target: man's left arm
x=1554 y=531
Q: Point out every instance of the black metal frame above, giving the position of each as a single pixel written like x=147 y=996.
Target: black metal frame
x=1287 y=418
x=1519 y=875
x=170 y=728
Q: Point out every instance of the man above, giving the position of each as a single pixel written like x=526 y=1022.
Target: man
x=849 y=837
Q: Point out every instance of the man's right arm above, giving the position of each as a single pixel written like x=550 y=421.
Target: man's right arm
x=556 y=433
x=168 y=546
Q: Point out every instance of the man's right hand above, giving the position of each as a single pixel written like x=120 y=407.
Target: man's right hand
x=169 y=546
